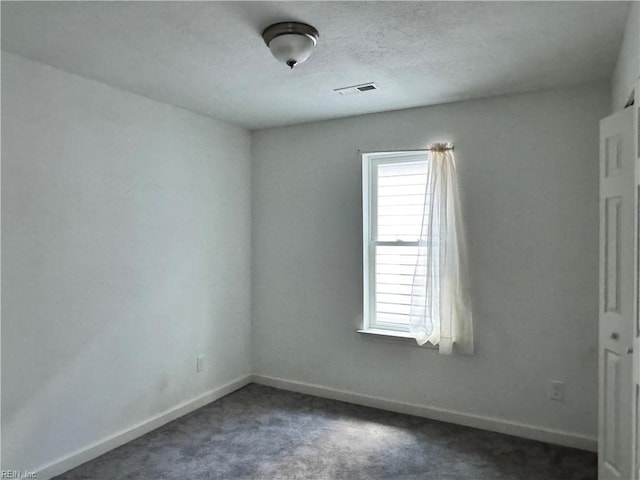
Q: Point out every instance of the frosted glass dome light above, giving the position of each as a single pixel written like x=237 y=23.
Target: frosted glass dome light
x=291 y=42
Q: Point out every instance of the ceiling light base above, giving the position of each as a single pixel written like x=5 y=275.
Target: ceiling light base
x=285 y=28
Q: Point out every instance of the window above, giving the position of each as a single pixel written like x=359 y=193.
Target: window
x=394 y=190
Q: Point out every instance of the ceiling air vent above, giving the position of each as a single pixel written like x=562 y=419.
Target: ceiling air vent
x=365 y=87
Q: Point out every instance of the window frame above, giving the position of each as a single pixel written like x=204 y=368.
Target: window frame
x=370 y=163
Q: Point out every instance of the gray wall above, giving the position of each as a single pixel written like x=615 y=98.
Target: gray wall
x=528 y=168
x=125 y=254
x=627 y=69
x=126 y=247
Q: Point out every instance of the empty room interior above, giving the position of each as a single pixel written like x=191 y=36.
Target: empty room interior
x=320 y=240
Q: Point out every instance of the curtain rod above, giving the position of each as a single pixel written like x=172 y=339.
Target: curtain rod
x=435 y=147
x=440 y=147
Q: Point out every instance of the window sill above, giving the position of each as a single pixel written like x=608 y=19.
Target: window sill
x=404 y=338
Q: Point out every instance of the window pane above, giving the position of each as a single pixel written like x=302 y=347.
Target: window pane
x=399 y=320
x=395 y=267
x=400 y=200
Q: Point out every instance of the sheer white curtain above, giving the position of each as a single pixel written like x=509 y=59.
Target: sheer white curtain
x=440 y=310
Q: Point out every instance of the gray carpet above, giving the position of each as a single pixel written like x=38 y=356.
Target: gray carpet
x=259 y=432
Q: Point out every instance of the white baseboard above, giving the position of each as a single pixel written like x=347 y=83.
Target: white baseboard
x=79 y=457
x=558 y=437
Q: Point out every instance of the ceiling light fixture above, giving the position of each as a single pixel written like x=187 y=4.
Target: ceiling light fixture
x=291 y=42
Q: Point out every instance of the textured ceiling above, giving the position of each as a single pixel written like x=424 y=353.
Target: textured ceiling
x=209 y=57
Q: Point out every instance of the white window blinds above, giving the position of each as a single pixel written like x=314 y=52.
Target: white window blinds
x=397 y=198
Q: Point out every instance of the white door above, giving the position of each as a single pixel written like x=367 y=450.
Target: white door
x=619 y=325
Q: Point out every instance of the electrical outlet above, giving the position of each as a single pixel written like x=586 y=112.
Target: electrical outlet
x=556 y=390
x=200 y=364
